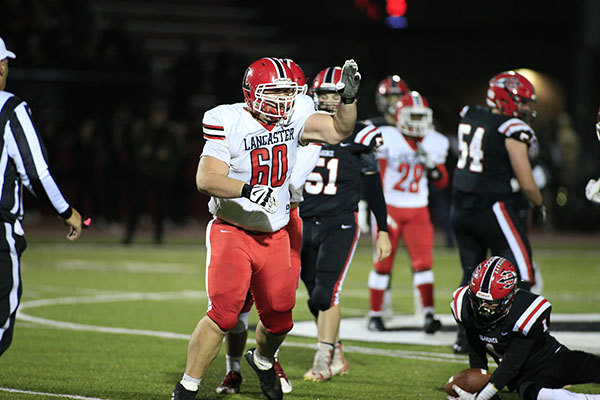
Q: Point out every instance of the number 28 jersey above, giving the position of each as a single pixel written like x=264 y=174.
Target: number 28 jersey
x=257 y=156
x=483 y=165
x=404 y=178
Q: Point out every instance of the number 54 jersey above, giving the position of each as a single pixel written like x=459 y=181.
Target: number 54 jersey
x=257 y=156
x=483 y=165
x=404 y=177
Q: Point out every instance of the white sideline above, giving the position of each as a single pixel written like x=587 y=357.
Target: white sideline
x=66 y=396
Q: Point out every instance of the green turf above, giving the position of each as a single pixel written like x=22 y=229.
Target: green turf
x=123 y=366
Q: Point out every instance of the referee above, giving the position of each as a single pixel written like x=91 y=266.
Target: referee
x=23 y=161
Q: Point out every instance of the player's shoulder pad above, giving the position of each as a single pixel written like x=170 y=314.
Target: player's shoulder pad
x=518 y=129
x=216 y=120
x=464 y=111
x=458 y=299
x=537 y=307
x=367 y=135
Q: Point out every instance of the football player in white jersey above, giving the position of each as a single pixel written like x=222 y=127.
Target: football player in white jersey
x=245 y=166
x=237 y=336
x=592 y=189
x=412 y=154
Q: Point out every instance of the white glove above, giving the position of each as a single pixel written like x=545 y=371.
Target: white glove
x=592 y=190
x=264 y=197
x=350 y=81
x=424 y=158
x=463 y=395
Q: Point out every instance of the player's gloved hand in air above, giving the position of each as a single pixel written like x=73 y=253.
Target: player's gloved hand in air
x=261 y=195
x=350 y=81
x=430 y=166
x=592 y=190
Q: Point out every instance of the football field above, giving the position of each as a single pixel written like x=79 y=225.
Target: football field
x=99 y=320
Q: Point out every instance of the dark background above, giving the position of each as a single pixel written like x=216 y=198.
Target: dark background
x=90 y=69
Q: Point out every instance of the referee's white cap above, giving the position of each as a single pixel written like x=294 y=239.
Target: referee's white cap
x=4 y=52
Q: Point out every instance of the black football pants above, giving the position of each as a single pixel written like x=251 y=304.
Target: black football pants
x=497 y=229
x=570 y=367
x=328 y=244
x=11 y=248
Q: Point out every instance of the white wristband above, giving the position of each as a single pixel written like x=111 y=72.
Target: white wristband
x=487 y=393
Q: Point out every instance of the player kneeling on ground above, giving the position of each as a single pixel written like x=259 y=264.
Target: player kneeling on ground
x=512 y=325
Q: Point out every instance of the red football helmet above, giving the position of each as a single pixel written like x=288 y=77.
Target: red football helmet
x=326 y=83
x=388 y=92
x=510 y=93
x=297 y=74
x=598 y=125
x=269 y=88
x=413 y=115
x=492 y=289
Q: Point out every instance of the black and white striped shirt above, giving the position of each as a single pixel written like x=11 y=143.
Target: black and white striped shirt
x=24 y=161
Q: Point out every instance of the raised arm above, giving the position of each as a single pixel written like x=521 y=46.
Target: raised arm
x=321 y=127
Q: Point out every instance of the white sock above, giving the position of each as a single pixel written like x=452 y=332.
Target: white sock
x=190 y=383
x=233 y=363
x=563 y=394
x=261 y=362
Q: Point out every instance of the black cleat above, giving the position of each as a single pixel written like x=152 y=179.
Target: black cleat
x=181 y=393
x=376 y=324
x=432 y=325
x=269 y=384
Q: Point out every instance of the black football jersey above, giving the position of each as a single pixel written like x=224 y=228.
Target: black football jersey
x=520 y=343
x=483 y=165
x=333 y=187
x=377 y=121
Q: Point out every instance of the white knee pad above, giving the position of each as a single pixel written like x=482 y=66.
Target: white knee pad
x=378 y=281
x=242 y=324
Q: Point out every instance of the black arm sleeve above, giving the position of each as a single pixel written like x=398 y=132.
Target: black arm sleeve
x=477 y=354
x=514 y=358
x=376 y=200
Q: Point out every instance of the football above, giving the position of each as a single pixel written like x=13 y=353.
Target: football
x=471 y=380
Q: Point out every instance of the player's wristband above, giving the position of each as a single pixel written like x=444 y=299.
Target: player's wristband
x=246 y=190
x=348 y=100
x=487 y=392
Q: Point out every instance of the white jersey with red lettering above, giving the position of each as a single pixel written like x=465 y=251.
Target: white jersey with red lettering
x=307 y=159
x=255 y=155
x=405 y=179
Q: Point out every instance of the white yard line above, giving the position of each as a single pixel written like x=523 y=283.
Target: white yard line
x=65 y=396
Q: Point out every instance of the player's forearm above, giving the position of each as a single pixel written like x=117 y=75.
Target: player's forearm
x=344 y=120
x=376 y=199
x=533 y=194
x=516 y=355
x=219 y=186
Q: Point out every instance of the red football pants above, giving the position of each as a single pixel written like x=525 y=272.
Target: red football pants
x=239 y=261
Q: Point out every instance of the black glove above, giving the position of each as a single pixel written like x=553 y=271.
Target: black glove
x=350 y=81
x=261 y=195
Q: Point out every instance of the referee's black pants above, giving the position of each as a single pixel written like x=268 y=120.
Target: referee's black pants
x=11 y=248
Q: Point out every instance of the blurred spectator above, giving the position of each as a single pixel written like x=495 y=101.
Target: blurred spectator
x=187 y=76
x=158 y=145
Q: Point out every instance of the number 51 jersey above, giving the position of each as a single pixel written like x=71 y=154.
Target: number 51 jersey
x=257 y=156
